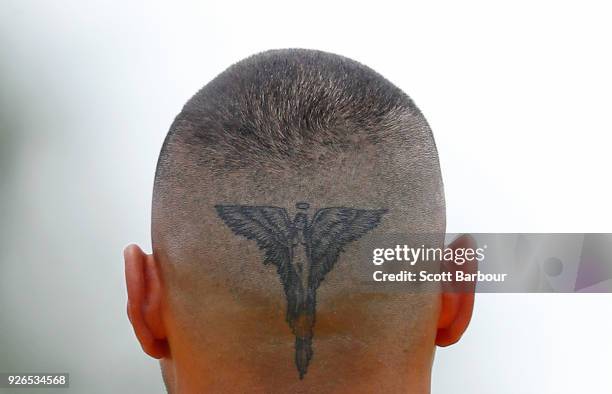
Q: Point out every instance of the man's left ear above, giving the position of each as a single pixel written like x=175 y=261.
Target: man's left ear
x=457 y=299
x=144 y=309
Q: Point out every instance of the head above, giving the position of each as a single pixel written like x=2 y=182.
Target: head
x=270 y=181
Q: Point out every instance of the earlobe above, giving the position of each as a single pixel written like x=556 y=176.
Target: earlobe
x=144 y=301
x=454 y=317
x=456 y=300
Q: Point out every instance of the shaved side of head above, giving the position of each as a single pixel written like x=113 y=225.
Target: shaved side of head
x=269 y=179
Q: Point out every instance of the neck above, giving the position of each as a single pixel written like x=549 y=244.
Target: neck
x=368 y=376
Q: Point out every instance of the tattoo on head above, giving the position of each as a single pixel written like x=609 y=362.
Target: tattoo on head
x=303 y=251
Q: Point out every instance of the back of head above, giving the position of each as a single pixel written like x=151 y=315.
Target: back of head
x=269 y=179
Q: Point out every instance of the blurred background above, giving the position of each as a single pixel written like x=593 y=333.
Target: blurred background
x=518 y=96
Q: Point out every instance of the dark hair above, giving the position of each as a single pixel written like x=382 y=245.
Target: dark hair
x=287 y=108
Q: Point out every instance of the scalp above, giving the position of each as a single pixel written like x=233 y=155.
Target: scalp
x=273 y=130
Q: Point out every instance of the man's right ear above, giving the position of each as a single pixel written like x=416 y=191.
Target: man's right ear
x=144 y=310
x=457 y=299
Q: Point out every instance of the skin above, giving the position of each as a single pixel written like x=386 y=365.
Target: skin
x=191 y=364
x=279 y=128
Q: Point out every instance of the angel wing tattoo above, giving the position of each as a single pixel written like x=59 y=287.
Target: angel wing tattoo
x=303 y=250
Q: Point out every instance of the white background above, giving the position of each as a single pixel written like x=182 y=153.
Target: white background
x=518 y=96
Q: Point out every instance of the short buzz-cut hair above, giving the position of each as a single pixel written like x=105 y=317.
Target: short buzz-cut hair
x=272 y=136
x=290 y=108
